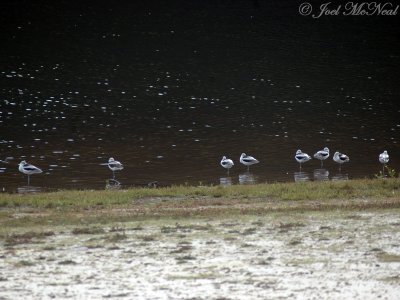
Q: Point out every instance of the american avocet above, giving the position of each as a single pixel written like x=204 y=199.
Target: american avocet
x=384 y=159
x=114 y=165
x=28 y=169
x=322 y=155
x=226 y=163
x=248 y=160
x=340 y=158
x=301 y=157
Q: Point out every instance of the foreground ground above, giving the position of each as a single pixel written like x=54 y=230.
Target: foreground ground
x=261 y=242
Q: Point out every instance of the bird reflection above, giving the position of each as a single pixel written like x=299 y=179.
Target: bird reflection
x=113 y=184
x=301 y=176
x=225 y=181
x=247 y=178
x=28 y=189
x=321 y=174
x=340 y=176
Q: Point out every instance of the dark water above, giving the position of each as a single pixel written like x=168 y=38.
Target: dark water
x=170 y=87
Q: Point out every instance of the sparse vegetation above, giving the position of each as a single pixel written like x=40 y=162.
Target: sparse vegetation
x=24 y=263
x=88 y=230
x=90 y=199
x=67 y=262
x=117 y=237
x=387 y=257
x=83 y=208
x=387 y=172
x=27 y=237
x=199 y=250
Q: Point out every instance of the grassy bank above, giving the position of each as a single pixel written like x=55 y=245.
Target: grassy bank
x=71 y=207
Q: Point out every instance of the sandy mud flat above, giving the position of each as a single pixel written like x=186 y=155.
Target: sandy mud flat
x=311 y=255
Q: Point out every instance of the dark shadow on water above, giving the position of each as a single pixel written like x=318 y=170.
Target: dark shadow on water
x=301 y=176
x=225 y=181
x=321 y=175
x=248 y=178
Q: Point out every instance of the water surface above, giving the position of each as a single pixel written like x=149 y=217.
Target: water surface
x=168 y=89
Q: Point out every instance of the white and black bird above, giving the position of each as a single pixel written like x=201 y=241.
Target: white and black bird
x=226 y=163
x=322 y=155
x=384 y=159
x=301 y=157
x=28 y=169
x=248 y=160
x=114 y=165
x=340 y=158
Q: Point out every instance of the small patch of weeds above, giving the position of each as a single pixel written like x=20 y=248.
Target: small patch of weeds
x=185 y=258
x=116 y=238
x=387 y=257
x=182 y=249
x=25 y=263
x=49 y=248
x=88 y=230
x=386 y=173
x=67 y=262
x=168 y=229
x=137 y=228
x=294 y=242
x=23 y=238
x=116 y=229
x=147 y=238
x=249 y=231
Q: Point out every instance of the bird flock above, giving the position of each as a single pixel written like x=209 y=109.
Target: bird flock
x=302 y=158
x=29 y=169
x=227 y=163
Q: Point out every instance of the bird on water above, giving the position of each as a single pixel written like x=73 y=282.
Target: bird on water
x=340 y=158
x=322 y=155
x=114 y=165
x=226 y=163
x=248 y=160
x=301 y=157
x=383 y=159
x=28 y=169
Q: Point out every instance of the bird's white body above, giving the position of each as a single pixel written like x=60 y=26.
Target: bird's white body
x=114 y=165
x=384 y=157
x=322 y=155
x=28 y=169
x=340 y=158
x=302 y=157
x=248 y=160
x=226 y=163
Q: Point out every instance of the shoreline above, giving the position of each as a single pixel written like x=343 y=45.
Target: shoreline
x=108 y=206
x=262 y=242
